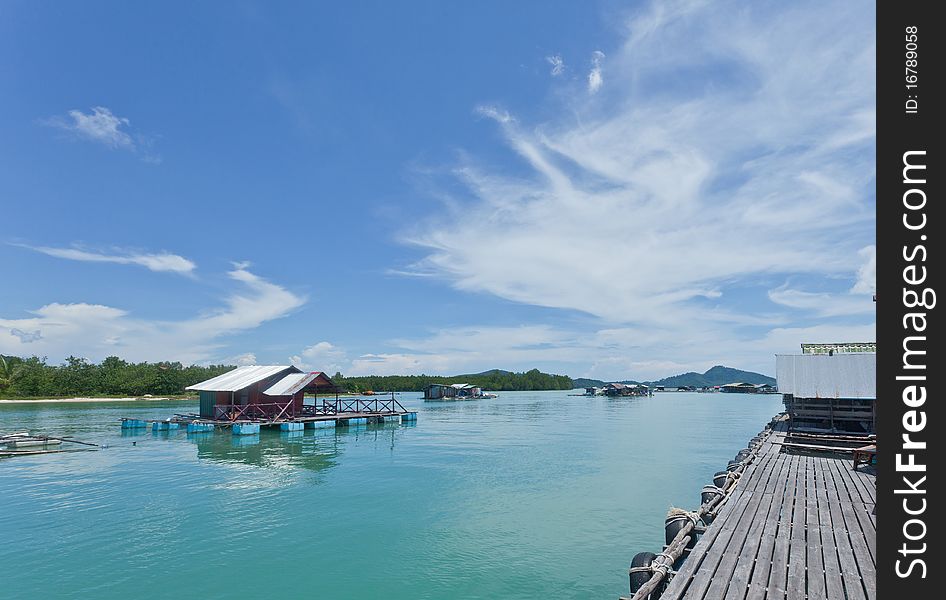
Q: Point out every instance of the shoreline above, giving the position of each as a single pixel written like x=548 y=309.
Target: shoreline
x=81 y=400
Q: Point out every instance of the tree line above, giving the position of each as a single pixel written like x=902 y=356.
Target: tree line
x=493 y=380
x=33 y=377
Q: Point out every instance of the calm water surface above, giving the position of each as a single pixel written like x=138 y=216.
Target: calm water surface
x=530 y=495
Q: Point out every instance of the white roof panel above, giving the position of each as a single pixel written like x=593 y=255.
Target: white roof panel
x=239 y=378
x=824 y=376
x=290 y=384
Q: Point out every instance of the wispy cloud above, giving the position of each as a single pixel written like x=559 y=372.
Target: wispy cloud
x=95 y=331
x=867 y=274
x=159 y=261
x=823 y=304
x=558 y=64
x=102 y=126
x=321 y=356
x=240 y=360
x=669 y=211
x=609 y=353
x=595 y=80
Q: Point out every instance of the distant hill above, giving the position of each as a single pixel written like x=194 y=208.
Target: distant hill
x=717 y=375
x=581 y=382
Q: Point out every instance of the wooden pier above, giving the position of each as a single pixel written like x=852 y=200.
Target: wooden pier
x=799 y=524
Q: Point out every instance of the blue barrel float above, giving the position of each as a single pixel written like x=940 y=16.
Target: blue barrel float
x=291 y=426
x=134 y=424
x=164 y=426
x=355 y=421
x=391 y=418
x=320 y=424
x=200 y=427
x=245 y=428
x=411 y=416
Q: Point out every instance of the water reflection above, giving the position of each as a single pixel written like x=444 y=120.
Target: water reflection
x=310 y=449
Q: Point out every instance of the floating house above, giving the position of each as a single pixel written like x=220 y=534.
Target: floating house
x=829 y=391
x=739 y=388
x=626 y=389
x=454 y=391
x=270 y=392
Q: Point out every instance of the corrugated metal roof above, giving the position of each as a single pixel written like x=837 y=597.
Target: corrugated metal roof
x=291 y=383
x=239 y=378
x=823 y=376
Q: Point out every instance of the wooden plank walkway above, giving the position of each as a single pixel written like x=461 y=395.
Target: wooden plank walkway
x=799 y=526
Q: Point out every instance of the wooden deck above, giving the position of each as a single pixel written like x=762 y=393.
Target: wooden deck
x=798 y=526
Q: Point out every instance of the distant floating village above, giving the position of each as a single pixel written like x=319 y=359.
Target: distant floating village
x=640 y=389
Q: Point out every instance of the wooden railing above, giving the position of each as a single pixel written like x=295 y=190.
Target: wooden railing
x=251 y=412
x=275 y=411
x=355 y=405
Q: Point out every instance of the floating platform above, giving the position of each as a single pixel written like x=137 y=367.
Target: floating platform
x=195 y=424
x=197 y=427
x=245 y=428
x=797 y=525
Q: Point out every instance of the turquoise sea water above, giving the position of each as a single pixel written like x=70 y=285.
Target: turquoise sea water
x=529 y=495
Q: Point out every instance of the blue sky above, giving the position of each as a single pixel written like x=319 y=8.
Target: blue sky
x=614 y=190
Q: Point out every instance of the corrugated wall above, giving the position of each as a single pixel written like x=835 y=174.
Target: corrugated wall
x=821 y=376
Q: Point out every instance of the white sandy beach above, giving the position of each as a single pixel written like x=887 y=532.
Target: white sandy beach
x=56 y=400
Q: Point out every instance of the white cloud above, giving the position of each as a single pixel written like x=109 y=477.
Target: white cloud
x=387 y=364
x=823 y=304
x=867 y=274
x=100 y=125
x=240 y=360
x=558 y=64
x=465 y=349
x=95 y=331
x=322 y=356
x=161 y=261
x=595 y=80
x=497 y=114
x=657 y=211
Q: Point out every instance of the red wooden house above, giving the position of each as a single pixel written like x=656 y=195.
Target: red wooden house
x=266 y=392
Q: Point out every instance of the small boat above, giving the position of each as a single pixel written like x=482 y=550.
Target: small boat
x=25 y=440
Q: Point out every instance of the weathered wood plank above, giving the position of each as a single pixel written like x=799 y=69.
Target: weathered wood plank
x=797 y=557
x=739 y=584
x=778 y=575
x=862 y=555
x=832 y=564
x=850 y=574
x=817 y=586
x=758 y=582
x=732 y=549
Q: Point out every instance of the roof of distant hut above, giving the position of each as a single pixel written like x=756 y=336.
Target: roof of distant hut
x=241 y=377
